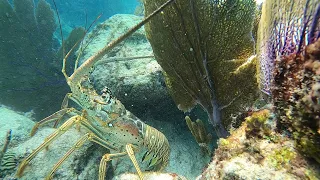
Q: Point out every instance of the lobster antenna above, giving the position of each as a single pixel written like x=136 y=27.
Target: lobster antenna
x=65 y=57
x=60 y=27
x=86 y=23
x=85 y=33
x=97 y=18
x=88 y=64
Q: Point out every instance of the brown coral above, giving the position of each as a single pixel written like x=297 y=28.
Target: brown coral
x=200 y=133
x=257 y=124
x=296 y=98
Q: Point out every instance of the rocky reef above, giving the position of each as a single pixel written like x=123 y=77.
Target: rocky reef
x=257 y=151
x=296 y=98
x=137 y=82
x=202 y=52
x=84 y=163
x=281 y=141
x=289 y=55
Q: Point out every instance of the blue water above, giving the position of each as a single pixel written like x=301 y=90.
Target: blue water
x=30 y=78
x=82 y=12
x=32 y=84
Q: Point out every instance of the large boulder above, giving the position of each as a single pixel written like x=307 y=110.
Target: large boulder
x=138 y=83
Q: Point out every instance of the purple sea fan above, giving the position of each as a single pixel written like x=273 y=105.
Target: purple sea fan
x=292 y=46
x=286 y=27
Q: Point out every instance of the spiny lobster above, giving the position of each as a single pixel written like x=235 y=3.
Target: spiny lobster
x=105 y=118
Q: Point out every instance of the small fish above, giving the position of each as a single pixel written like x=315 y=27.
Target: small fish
x=8 y=162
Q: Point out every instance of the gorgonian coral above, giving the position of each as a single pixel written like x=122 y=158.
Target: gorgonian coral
x=289 y=56
x=285 y=28
x=204 y=47
x=296 y=97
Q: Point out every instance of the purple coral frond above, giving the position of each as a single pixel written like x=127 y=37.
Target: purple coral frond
x=314 y=26
x=305 y=21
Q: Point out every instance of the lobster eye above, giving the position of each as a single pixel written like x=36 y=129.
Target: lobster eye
x=110 y=124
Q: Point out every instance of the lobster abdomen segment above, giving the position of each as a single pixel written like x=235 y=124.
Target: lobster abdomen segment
x=158 y=148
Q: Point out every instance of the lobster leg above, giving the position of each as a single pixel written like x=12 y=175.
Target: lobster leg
x=108 y=157
x=77 y=145
x=65 y=101
x=61 y=130
x=64 y=105
x=93 y=136
x=104 y=161
x=53 y=117
x=134 y=160
x=87 y=137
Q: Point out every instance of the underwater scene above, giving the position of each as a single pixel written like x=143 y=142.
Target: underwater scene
x=160 y=89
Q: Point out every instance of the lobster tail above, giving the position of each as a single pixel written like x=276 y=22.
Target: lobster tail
x=158 y=149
